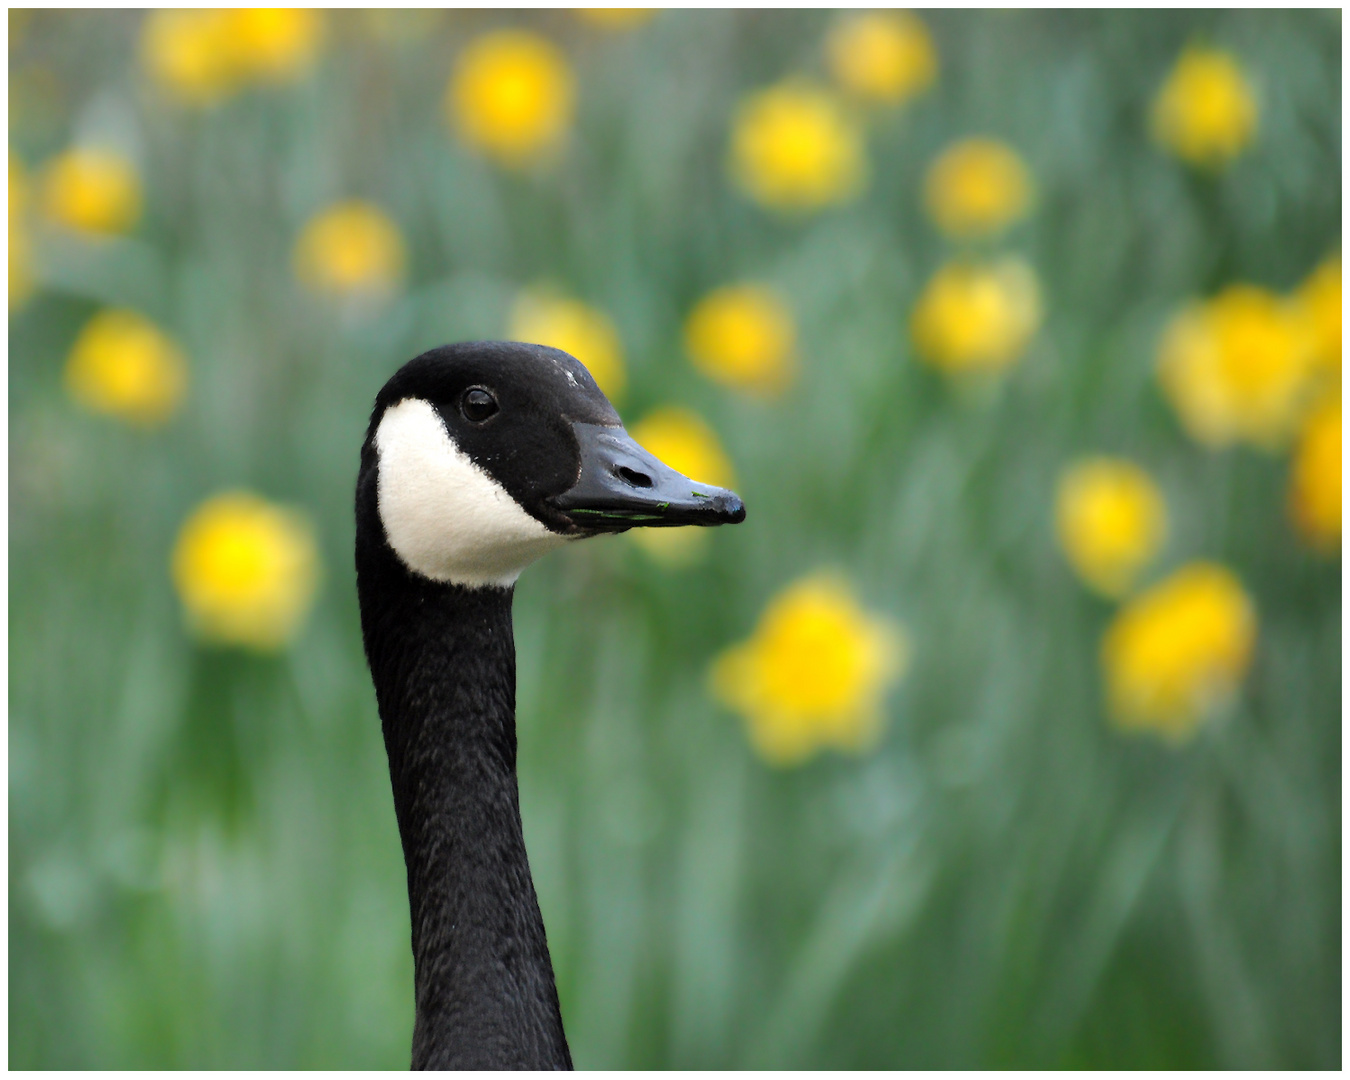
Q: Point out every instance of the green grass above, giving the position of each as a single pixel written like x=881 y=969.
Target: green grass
x=204 y=865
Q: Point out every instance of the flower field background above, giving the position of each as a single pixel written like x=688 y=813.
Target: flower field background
x=1004 y=732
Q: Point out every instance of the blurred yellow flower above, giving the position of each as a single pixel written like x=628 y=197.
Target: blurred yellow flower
x=794 y=148
x=275 y=44
x=977 y=188
x=882 y=56
x=187 y=52
x=123 y=365
x=1315 y=486
x=20 y=250
x=575 y=328
x=616 y=18
x=1236 y=367
x=245 y=570
x=511 y=96
x=977 y=317
x=813 y=673
x=743 y=336
x=353 y=248
x=202 y=55
x=1206 y=111
x=683 y=441
x=1321 y=299
x=1111 y=520
x=91 y=190
x=1178 y=650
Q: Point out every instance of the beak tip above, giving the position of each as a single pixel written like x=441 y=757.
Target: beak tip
x=732 y=508
x=718 y=506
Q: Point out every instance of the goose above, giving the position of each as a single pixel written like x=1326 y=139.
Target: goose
x=480 y=457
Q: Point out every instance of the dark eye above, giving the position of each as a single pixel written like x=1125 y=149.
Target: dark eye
x=477 y=404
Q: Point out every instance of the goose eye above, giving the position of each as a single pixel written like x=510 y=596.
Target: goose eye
x=477 y=404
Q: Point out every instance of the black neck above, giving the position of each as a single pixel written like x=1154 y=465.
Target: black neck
x=444 y=666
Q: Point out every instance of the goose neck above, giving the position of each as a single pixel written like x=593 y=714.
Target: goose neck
x=443 y=662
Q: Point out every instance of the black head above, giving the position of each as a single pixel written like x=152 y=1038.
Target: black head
x=484 y=455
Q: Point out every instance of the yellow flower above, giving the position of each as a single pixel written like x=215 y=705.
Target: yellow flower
x=92 y=190
x=616 y=18
x=511 y=96
x=1111 y=521
x=1206 y=111
x=743 y=337
x=246 y=571
x=1177 y=651
x=1315 y=486
x=977 y=188
x=575 y=328
x=352 y=248
x=882 y=56
x=794 y=148
x=813 y=673
x=1236 y=368
x=683 y=441
x=187 y=52
x=977 y=317
x=123 y=365
x=20 y=251
x=274 y=44
x=1321 y=299
x=203 y=55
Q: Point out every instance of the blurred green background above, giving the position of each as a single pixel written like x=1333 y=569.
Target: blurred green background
x=204 y=865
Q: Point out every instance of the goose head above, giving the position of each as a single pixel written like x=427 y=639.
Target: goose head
x=482 y=456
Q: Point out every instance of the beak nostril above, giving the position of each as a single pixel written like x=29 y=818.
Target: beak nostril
x=633 y=477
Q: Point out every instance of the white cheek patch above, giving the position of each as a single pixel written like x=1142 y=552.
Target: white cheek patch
x=445 y=517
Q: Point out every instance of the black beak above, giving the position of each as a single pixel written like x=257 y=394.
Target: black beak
x=621 y=486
